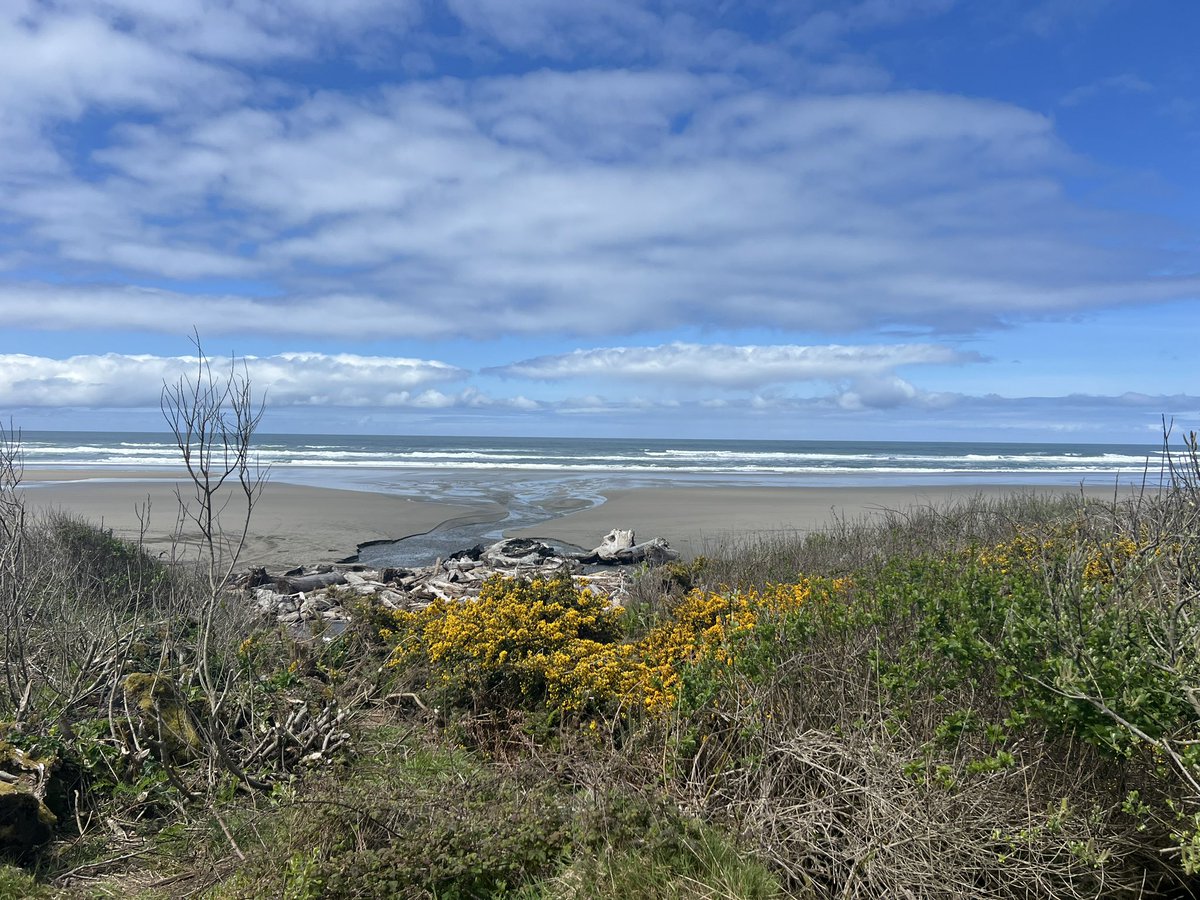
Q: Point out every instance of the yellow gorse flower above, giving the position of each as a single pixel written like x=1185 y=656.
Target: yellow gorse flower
x=548 y=640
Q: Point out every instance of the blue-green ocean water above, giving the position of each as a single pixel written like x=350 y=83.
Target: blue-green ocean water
x=630 y=461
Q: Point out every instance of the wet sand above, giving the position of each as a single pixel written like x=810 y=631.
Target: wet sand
x=292 y=524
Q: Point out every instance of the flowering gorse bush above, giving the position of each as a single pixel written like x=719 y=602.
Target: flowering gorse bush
x=1100 y=561
x=529 y=643
x=517 y=643
x=710 y=626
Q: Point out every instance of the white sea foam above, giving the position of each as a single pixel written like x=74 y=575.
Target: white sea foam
x=716 y=459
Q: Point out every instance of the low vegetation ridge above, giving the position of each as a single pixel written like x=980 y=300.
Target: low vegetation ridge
x=995 y=699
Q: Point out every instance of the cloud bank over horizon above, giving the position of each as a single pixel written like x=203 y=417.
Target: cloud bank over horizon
x=773 y=386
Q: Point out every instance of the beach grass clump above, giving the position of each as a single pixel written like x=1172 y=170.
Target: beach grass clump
x=848 y=546
x=486 y=834
x=20 y=885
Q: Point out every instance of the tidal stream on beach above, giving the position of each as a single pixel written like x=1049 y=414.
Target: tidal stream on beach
x=526 y=503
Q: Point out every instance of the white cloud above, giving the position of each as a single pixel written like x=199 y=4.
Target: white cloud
x=1047 y=18
x=64 y=65
x=593 y=114
x=878 y=392
x=288 y=379
x=722 y=365
x=297 y=384
x=825 y=28
x=250 y=31
x=99 y=308
x=1126 y=83
x=594 y=201
x=521 y=205
x=892 y=409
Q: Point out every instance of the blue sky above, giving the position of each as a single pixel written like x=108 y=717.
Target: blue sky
x=872 y=219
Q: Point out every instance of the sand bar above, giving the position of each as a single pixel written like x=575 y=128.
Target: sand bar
x=696 y=520
x=292 y=524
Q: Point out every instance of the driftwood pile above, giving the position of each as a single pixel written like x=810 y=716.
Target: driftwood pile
x=320 y=601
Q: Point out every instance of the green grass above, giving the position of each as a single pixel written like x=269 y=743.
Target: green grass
x=16 y=884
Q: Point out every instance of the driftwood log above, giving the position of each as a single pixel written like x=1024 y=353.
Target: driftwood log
x=619 y=549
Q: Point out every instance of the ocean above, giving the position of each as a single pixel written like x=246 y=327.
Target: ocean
x=360 y=460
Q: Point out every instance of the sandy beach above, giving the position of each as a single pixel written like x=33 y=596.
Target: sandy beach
x=292 y=524
x=296 y=524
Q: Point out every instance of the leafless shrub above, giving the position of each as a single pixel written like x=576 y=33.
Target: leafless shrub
x=82 y=611
x=12 y=507
x=17 y=676
x=213 y=418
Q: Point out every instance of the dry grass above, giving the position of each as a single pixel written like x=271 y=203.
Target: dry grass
x=860 y=812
